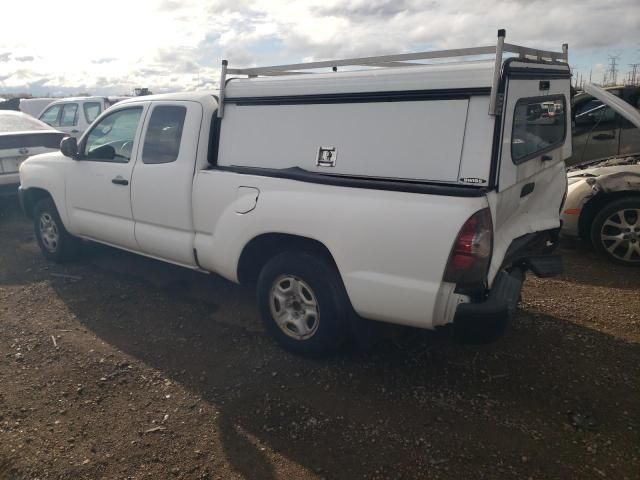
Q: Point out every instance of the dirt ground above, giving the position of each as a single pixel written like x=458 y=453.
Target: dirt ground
x=122 y=367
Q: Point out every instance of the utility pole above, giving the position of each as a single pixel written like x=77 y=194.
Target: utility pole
x=633 y=74
x=613 y=69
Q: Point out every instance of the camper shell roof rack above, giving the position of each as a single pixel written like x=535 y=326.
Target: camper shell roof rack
x=403 y=60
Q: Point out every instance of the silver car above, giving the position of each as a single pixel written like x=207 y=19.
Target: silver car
x=603 y=198
x=21 y=136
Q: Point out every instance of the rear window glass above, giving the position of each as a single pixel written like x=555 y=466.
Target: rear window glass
x=162 y=141
x=539 y=125
x=91 y=111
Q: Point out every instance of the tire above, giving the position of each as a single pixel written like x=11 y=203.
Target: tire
x=615 y=231
x=55 y=242
x=303 y=303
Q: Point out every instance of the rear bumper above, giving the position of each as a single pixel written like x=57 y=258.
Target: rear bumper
x=10 y=179
x=495 y=312
x=22 y=197
x=498 y=308
x=8 y=189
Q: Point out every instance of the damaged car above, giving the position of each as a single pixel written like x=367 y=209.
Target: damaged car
x=598 y=131
x=603 y=198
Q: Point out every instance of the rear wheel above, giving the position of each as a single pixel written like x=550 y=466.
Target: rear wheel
x=55 y=242
x=303 y=303
x=615 y=231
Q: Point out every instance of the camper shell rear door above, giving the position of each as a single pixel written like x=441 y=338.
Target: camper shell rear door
x=535 y=139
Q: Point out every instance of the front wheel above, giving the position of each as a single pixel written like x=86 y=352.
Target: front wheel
x=55 y=242
x=615 y=231
x=303 y=303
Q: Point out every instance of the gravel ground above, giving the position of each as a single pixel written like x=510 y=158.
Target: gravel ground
x=121 y=367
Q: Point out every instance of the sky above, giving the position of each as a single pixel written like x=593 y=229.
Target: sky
x=63 y=47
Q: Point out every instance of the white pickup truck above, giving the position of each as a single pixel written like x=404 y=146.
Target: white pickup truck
x=405 y=193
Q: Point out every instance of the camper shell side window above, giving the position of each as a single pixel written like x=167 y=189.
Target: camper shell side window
x=539 y=125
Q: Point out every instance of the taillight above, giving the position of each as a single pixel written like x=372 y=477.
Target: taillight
x=471 y=253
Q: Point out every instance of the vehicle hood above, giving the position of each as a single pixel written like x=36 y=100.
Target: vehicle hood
x=604 y=167
x=617 y=104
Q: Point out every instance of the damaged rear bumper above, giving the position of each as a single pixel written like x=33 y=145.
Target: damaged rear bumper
x=498 y=308
x=486 y=320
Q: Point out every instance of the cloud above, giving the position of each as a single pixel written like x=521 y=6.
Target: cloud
x=104 y=60
x=181 y=42
x=177 y=60
x=367 y=9
x=169 y=5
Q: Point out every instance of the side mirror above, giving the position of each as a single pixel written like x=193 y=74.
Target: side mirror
x=69 y=147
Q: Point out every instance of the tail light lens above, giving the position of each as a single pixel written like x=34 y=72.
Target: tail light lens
x=471 y=253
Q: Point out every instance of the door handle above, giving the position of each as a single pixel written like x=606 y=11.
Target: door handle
x=546 y=158
x=120 y=181
x=527 y=189
x=604 y=136
x=75 y=131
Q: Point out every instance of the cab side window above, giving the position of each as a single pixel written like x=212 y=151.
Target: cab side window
x=594 y=112
x=51 y=116
x=162 y=140
x=111 y=139
x=91 y=111
x=587 y=112
x=69 y=116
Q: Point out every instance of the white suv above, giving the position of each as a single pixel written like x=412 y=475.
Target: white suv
x=74 y=115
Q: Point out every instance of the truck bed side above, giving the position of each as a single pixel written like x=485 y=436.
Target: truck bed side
x=390 y=247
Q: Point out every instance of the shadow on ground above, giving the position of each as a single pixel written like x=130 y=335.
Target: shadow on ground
x=416 y=405
x=412 y=402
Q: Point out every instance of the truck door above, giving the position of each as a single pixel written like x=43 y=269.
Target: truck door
x=536 y=139
x=98 y=184
x=69 y=119
x=163 y=179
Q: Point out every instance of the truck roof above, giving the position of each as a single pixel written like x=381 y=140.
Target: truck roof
x=200 y=97
x=92 y=98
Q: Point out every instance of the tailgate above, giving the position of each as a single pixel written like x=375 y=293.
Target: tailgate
x=535 y=141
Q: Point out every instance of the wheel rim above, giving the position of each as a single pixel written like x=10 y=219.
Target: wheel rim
x=620 y=235
x=294 y=307
x=49 y=232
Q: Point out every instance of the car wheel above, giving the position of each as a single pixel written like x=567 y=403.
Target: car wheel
x=303 y=303
x=55 y=242
x=615 y=231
